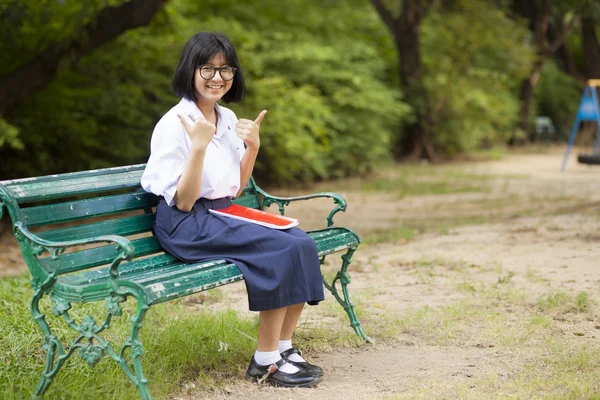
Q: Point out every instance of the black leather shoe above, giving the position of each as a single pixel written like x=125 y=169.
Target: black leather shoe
x=272 y=375
x=313 y=369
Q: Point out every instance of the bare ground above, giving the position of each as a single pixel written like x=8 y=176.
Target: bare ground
x=466 y=307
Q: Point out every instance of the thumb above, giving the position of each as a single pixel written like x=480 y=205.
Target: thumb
x=185 y=124
x=260 y=117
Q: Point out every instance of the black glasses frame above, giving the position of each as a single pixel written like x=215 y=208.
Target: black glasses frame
x=215 y=69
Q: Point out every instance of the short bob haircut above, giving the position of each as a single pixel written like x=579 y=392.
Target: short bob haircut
x=198 y=50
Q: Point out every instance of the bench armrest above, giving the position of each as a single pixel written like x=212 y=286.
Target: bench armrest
x=124 y=245
x=338 y=200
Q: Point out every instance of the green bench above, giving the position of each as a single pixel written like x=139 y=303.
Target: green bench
x=116 y=257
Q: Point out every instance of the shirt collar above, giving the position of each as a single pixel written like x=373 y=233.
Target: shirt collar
x=191 y=109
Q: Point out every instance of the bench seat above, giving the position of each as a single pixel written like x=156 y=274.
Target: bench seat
x=163 y=277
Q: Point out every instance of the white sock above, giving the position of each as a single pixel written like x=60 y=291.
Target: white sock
x=286 y=345
x=271 y=357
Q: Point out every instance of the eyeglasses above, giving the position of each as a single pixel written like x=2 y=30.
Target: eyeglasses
x=208 y=72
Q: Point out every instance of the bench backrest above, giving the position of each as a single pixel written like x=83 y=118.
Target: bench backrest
x=84 y=204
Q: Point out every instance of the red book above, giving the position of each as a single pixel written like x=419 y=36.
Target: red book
x=263 y=218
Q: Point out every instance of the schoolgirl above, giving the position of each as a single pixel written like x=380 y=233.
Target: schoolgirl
x=201 y=157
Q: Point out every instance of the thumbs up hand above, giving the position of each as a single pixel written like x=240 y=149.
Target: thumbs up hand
x=248 y=130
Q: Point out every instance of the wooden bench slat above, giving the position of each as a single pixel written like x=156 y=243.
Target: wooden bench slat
x=200 y=280
x=68 y=185
x=163 y=277
x=122 y=226
x=126 y=271
x=75 y=210
x=102 y=255
x=73 y=175
x=333 y=240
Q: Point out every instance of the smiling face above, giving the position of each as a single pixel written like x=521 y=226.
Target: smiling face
x=214 y=89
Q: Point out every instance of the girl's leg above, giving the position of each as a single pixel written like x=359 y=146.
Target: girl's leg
x=285 y=340
x=269 y=328
x=290 y=321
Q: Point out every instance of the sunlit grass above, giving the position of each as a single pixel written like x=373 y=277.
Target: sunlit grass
x=411 y=180
x=182 y=346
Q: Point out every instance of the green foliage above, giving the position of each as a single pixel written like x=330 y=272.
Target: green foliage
x=9 y=135
x=474 y=57
x=557 y=95
x=98 y=114
x=327 y=72
x=31 y=26
x=322 y=80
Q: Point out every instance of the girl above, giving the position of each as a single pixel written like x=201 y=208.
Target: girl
x=201 y=157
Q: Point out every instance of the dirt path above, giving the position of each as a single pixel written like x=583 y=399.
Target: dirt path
x=460 y=309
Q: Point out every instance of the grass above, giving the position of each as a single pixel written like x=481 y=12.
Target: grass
x=416 y=180
x=392 y=235
x=544 y=362
x=561 y=303
x=181 y=348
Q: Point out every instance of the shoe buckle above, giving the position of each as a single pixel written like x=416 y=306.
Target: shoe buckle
x=271 y=370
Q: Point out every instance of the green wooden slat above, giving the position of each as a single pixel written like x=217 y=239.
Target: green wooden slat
x=74 y=210
x=37 y=189
x=97 y=256
x=197 y=282
x=126 y=270
x=123 y=227
x=73 y=175
x=168 y=274
x=333 y=240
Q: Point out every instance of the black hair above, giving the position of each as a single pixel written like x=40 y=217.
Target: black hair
x=198 y=51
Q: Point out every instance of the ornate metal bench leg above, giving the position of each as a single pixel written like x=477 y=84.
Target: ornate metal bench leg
x=136 y=349
x=344 y=279
x=51 y=345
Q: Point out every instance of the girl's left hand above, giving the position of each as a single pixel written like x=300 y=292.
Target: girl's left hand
x=248 y=130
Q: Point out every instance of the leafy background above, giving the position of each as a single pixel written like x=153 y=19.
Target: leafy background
x=326 y=71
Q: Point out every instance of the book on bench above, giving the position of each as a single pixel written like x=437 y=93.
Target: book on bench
x=259 y=217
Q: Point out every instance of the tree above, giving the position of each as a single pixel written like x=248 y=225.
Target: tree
x=18 y=84
x=474 y=58
x=591 y=47
x=539 y=15
x=405 y=29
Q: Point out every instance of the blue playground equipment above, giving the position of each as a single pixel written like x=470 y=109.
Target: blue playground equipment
x=588 y=110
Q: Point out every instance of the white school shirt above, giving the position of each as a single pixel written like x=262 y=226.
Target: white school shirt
x=170 y=149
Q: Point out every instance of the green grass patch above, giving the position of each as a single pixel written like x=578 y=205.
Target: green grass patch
x=560 y=302
x=182 y=346
x=564 y=371
x=392 y=235
x=414 y=180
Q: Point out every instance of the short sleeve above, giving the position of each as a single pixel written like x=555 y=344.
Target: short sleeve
x=168 y=155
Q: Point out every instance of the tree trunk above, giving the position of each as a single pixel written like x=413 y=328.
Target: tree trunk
x=565 y=59
x=19 y=84
x=527 y=89
x=418 y=141
x=591 y=48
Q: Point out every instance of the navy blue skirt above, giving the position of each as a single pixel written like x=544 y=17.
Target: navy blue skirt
x=280 y=267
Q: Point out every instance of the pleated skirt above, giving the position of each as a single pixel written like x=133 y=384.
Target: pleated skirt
x=280 y=267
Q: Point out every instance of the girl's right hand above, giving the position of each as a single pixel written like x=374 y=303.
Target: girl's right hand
x=201 y=132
